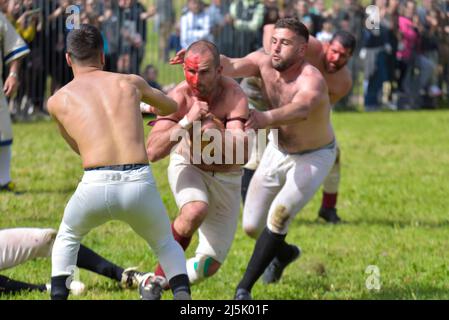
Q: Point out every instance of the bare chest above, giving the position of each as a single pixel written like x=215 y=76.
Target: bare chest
x=278 y=91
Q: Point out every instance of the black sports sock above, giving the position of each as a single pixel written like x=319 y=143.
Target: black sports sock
x=179 y=282
x=89 y=260
x=265 y=250
x=59 y=290
x=8 y=285
x=285 y=252
x=246 y=179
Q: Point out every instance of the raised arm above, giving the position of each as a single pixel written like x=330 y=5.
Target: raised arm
x=247 y=66
x=162 y=104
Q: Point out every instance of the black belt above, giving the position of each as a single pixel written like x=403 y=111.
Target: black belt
x=119 y=167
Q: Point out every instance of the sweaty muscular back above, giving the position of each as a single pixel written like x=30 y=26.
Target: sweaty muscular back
x=98 y=114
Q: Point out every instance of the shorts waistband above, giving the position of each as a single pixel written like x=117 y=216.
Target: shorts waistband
x=328 y=146
x=119 y=167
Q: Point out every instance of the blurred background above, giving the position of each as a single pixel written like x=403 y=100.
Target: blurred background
x=393 y=68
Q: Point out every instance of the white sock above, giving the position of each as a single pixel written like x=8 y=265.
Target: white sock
x=5 y=164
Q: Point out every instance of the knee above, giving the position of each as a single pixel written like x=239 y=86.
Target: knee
x=201 y=267
x=191 y=217
x=252 y=231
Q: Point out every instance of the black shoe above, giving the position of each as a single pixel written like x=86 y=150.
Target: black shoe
x=242 y=294
x=273 y=272
x=151 y=287
x=329 y=214
x=8 y=187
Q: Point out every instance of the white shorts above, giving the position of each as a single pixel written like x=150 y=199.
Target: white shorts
x=221 y=191
x=18 y=245
x=283 y=184
x=130 y=196
x=5 y=125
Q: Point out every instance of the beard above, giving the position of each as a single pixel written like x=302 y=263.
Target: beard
x=282 y=65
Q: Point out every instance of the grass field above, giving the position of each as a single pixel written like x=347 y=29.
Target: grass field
x=393 y=198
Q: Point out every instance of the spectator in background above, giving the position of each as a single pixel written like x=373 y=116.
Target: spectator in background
x=110 y=31
x=28 y=23
x=174 y=40
x=375 y=46
x=303 y=14
x=166 y=21
x=247 y=16
x=221 y=23
x=150 y=74
x=326 y=34
x=132 y=36
x=410 y=57
x=428 y=27
x=195 y=24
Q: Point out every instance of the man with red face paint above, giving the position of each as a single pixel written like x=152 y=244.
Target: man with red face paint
x=207 y=194
x=331 y=59
x=293 y=166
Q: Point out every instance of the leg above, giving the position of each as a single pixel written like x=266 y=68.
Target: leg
x=262 y=190
x=89 y=260
x=246 y=179
x=18 y=245
x=217 y=232
x=148 y=218
x=8 y=286
x=84 y=212
x=302 y=181
x=328 y=209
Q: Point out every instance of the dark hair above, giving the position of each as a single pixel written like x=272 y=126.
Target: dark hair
x=85 y=43
x=346 y=39
x=295 y=25
x=202 y=46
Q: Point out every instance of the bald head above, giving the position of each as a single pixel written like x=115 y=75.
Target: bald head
x=204 y=47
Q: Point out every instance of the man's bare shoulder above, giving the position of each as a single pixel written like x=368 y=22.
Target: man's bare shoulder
x=311 y=79
x=232 y=87
x=58 y=101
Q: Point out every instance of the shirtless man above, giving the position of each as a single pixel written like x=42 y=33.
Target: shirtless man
x=98 y=114
x=292 y=168
x=331 y=59
x=207 y=195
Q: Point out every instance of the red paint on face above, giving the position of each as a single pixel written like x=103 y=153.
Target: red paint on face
x=191 y=70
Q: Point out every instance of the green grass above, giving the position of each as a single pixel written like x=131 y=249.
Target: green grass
x=393 y=200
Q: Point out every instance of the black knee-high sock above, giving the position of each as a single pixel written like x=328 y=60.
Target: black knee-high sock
x=285 y=252
x=89 y=260
x=265 y=250
x=246 y=179
x=59 y=290
x=8 y=285
x=179 y=283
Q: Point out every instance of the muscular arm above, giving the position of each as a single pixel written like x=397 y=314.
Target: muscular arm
x=247 y=66
x=163 y=104
x=159 y=144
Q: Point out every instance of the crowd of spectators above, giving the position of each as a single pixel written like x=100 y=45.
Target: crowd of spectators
x=401 y=63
